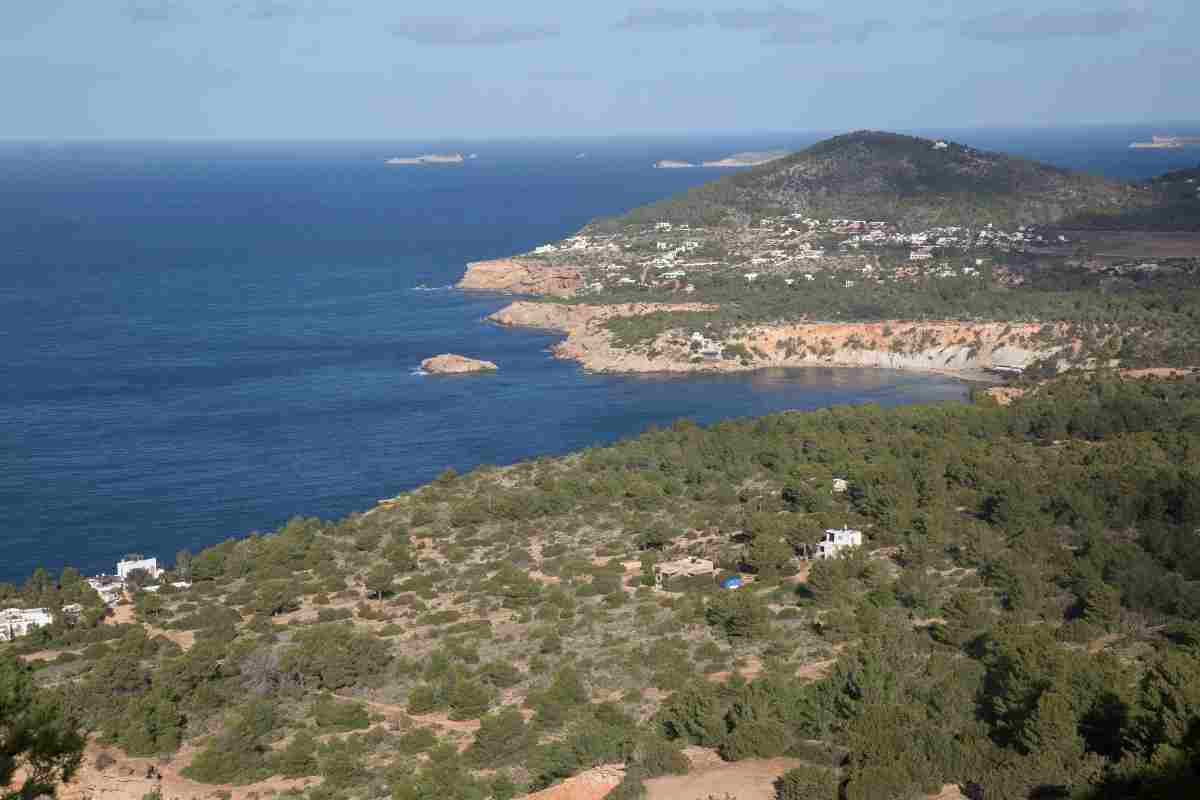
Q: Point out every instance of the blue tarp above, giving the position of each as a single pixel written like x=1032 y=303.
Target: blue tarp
x=731 y=583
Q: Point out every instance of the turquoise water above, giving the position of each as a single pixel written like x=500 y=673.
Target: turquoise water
x=200 y=341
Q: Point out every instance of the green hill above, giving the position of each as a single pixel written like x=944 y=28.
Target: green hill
x=916 y=183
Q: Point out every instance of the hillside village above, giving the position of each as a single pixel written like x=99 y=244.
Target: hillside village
x=669 y=256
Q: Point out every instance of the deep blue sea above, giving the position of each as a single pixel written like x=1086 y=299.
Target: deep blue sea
x=197 y=341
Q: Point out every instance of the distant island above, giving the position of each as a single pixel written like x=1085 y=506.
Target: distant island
x=748 y=159
x=1165 y=143
x=447 y=158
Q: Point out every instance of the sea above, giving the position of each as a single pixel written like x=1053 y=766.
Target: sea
x=200 y=340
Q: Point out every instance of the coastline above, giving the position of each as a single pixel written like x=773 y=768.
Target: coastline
x=963 y=351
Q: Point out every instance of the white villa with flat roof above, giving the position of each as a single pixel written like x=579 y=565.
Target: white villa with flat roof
x=16 y=622
x=136 y=562
x=836 y=540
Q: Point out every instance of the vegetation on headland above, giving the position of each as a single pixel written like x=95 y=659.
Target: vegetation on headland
x=1153 y=321
x=1022 y=621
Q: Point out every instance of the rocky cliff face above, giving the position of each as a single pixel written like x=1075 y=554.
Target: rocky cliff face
x=452 y=364
x=514 y=276
x=956 y=347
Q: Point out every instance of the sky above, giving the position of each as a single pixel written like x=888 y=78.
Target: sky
x=412 y=69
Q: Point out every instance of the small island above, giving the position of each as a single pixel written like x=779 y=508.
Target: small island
x=1166 y=143
x=736 y=160
x=453 y=364
x=445 y=158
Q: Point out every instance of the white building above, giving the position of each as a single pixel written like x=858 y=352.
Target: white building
x=16 y=622
x=131 y=563
x=110 y=588
x=751 y=277
x=836 y=540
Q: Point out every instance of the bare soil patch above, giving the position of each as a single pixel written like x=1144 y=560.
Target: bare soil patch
x=752 y=779
x=593 y=784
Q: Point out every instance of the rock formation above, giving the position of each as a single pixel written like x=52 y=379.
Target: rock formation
x=452 y=364
x=962 y=348
x=514 y=276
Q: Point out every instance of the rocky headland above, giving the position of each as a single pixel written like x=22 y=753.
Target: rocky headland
x=967 y=349
x=453 y=364
x=515 y=276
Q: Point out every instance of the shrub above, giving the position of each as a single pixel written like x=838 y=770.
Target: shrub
x=807 y=783
x=503 y=738
x=416 y=741
x=500 y=674
x=424 y=699
x=755 y=739
x=739 y=615
x=299 y=758
x=468 y=699
x=331 y=713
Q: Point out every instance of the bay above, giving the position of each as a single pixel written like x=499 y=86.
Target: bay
x=199 y=340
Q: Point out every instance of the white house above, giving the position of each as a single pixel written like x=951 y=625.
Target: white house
x=136 y=562
x=840 y=485
x=110 y=588
x=16 y=622
x=836 y=540
x=751 y=277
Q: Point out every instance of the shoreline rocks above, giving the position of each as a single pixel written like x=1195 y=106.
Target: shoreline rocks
x=514 y=276
x=961 y=349
x=454 y=364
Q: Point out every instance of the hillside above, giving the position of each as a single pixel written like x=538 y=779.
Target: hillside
x=1020 y=621
x=912 y=182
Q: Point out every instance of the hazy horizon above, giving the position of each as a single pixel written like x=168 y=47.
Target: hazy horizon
x=1164 y=127
x=332 y=70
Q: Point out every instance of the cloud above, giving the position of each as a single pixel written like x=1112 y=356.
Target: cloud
x=783 y=25
x=774 y=18
x=560 y=75
x=658 y=20
x=454 y=31
x=1013 y=26
x=270 y=9
x=154 y=10
x=284 y=9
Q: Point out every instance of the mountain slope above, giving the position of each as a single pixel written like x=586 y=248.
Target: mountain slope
x=913 y=182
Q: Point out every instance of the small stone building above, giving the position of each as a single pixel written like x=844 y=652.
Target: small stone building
x=682 y=568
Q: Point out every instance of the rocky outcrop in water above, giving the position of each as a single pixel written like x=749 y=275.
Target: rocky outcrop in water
x=452 y=364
